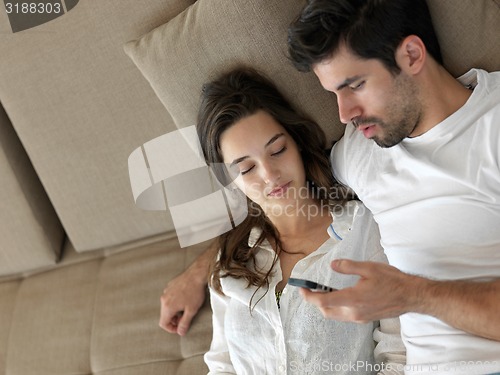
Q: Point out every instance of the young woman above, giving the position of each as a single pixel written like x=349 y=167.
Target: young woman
x=298 y=221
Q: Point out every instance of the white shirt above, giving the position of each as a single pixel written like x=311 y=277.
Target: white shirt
x=436 y=199
x=296 y=339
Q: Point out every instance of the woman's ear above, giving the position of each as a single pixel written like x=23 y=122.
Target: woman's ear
x=411 y=54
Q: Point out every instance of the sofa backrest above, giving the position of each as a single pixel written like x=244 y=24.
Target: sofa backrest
x=79 y=106
x=31 y=235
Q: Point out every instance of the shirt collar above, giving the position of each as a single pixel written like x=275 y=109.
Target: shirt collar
x=342 y=221
x=254 y=236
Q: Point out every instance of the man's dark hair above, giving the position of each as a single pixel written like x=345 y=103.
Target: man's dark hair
x=372 y=29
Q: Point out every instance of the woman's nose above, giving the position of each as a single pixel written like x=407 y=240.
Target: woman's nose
x=270 y=173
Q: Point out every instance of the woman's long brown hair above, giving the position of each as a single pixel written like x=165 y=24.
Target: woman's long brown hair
x=233 y=96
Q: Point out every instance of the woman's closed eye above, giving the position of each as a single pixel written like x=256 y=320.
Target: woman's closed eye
x=280 y=151
x=246 y=170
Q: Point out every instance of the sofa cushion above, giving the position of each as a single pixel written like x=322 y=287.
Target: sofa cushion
x=52 y=322
x=102 y=319
x=8 y=294
x=212 y=36
x=127 y=334
x=80 y=107
x=31 y=234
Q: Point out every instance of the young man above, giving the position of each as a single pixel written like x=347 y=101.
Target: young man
x=422 y=151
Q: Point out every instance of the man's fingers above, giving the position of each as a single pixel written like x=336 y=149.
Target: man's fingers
x=351 y=267
x=325 y=302
x=169 y=322
x=307 y=294
x=185 y=322
x=320 y=299
x=170 y=328
x=332 y=305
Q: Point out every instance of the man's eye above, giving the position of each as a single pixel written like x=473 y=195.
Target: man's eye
x=358 y=85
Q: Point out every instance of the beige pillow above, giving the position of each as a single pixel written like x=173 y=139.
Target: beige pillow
x=468 y=32
x=215 y=35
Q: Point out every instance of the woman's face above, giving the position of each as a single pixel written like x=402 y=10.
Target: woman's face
x=266 y=162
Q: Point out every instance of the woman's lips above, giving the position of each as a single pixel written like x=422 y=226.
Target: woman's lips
x=280 y=190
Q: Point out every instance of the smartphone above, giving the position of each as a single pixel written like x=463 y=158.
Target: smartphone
x=310 y=285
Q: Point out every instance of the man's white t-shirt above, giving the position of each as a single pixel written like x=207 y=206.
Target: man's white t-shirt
x=436 y=199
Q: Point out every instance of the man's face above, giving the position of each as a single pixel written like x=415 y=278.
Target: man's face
x=386 y=108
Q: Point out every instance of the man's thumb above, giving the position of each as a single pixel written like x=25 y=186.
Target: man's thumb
x=185 y=322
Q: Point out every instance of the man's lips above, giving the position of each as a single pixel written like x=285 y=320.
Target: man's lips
x=368 y=130
x=280 y=190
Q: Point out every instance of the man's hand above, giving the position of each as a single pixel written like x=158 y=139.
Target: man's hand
x=381 y=292
x=384 y=292
x=184 y=295
x=180 y=301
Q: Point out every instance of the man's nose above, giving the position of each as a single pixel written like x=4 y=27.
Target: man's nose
x=348 y=108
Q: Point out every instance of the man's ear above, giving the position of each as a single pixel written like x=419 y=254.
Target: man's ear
x=411 y=54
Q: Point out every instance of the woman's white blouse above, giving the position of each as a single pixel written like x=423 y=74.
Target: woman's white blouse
x=297 y=339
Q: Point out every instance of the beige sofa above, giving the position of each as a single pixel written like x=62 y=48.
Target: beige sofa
x=81 y=266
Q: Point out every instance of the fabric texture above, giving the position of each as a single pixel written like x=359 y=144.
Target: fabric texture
x=31 y=234
x=214 y=36
x=80 y=111
x=272 y=341
x=448 y=182
x=45 y=323
x=100 y=317
x=465 y=31
x=8 y=294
